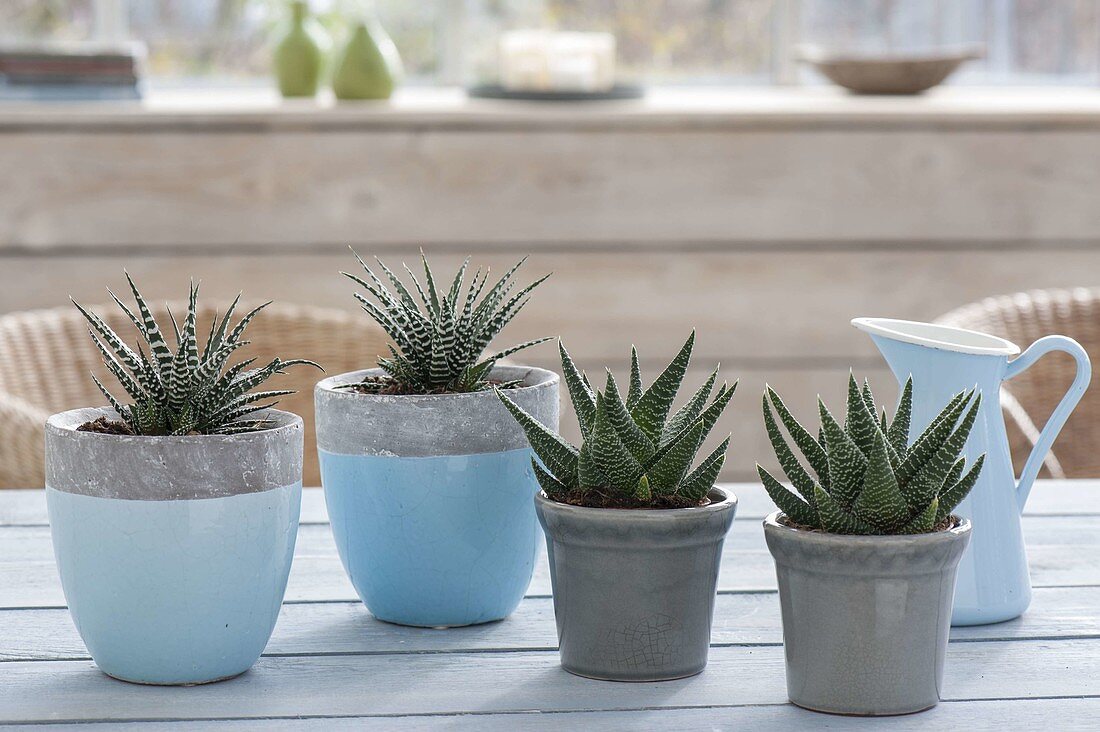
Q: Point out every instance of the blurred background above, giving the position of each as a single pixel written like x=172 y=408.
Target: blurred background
x=741 y=191
x=699 y=42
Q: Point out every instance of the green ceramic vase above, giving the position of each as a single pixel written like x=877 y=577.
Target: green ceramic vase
x=369 y=65
x=300 y=53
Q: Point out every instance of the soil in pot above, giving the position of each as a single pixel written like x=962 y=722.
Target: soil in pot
x=105 y=426
x=388 y=386
x=595 y=499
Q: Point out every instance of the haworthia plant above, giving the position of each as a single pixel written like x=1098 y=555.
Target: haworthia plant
x=440 y=335
x=633 y=450
x=180 y=390
x=867 y=477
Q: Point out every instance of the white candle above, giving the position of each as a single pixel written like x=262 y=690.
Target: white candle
x=539 y=60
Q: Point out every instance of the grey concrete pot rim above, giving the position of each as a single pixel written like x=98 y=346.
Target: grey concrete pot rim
x=171 y=468
x=876 y=542
x=726 y=501
x=67 y=422
x=533 y=379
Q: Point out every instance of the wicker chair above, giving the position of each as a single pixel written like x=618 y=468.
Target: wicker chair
x=46 y=357
x=1029 y=398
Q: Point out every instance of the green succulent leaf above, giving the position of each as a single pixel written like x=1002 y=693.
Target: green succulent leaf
x=634 y=392
x=955 y=473
x=847 y=464
x=793 y=469
x=652 y=408
x=549 y=484
x=797 y=510
x=898 y=432
x=666 y=473
x=591 y=479
x=859 y=423
x=929 y=479
x=881 y=502
x=690 y=411
x=812 y=449
x=559 y=457
x=608 y=453
x=869 y=399
x=836 y=519
x=699 y=481
x=584 y=401
x=924 y=521
x=925 y=446
x=640 y=446
x=959 y=490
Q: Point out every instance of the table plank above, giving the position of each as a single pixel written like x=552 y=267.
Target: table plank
x=451 y=683
x=344 y=628
x=1062 y=551
x=1049 y=498
x=1071 y=715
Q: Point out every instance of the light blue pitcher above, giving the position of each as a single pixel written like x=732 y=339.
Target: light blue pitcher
x=993 y=582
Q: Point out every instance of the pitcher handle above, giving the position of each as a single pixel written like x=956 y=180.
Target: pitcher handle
x=1061 y=413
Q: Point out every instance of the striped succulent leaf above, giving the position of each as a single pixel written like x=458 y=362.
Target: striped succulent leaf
x=632 y=450
x=865 y=477
x=440 y=336
x=184 y=391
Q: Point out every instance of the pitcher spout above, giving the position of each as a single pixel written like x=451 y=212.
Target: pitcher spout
x=942 y=338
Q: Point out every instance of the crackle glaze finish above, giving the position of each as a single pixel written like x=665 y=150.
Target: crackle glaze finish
x=173 y=552
x=865 y=618
x=634 y=588
x=430 y=497
x=994 y=584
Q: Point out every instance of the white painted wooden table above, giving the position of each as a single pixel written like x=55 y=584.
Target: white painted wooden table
x=330 y=665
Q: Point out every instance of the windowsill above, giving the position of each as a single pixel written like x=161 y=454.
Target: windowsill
x=689 y=108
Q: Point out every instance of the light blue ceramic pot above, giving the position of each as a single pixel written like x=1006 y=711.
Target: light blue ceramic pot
x=173 y=552
x=993 y=583
x=431 y=498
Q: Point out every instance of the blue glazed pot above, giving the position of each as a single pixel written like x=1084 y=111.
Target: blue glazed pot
x=173 y=552
x=431 y=498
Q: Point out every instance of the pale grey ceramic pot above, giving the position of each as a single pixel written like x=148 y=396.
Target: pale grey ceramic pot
x=865 y=618
x=173 y=552
x=634 y=588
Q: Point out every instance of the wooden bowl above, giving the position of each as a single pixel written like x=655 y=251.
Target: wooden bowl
x=888 y=73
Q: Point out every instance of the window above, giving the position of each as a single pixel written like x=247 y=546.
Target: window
x=659 y=41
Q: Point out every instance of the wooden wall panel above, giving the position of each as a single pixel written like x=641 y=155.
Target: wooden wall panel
x=618 y=185
x=750 y=307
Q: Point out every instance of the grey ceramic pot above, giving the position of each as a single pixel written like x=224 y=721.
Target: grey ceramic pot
x=173 y=552
x=865 y=618
x=634 y=588
x=429 y=497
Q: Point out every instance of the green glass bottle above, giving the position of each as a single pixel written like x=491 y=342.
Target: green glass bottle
x=369 y=65
x=300 y=53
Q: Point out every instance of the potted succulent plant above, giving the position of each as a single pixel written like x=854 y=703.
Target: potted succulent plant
x=634 y=535
x=427 y=478
x=866 y=552
x=174 y=516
